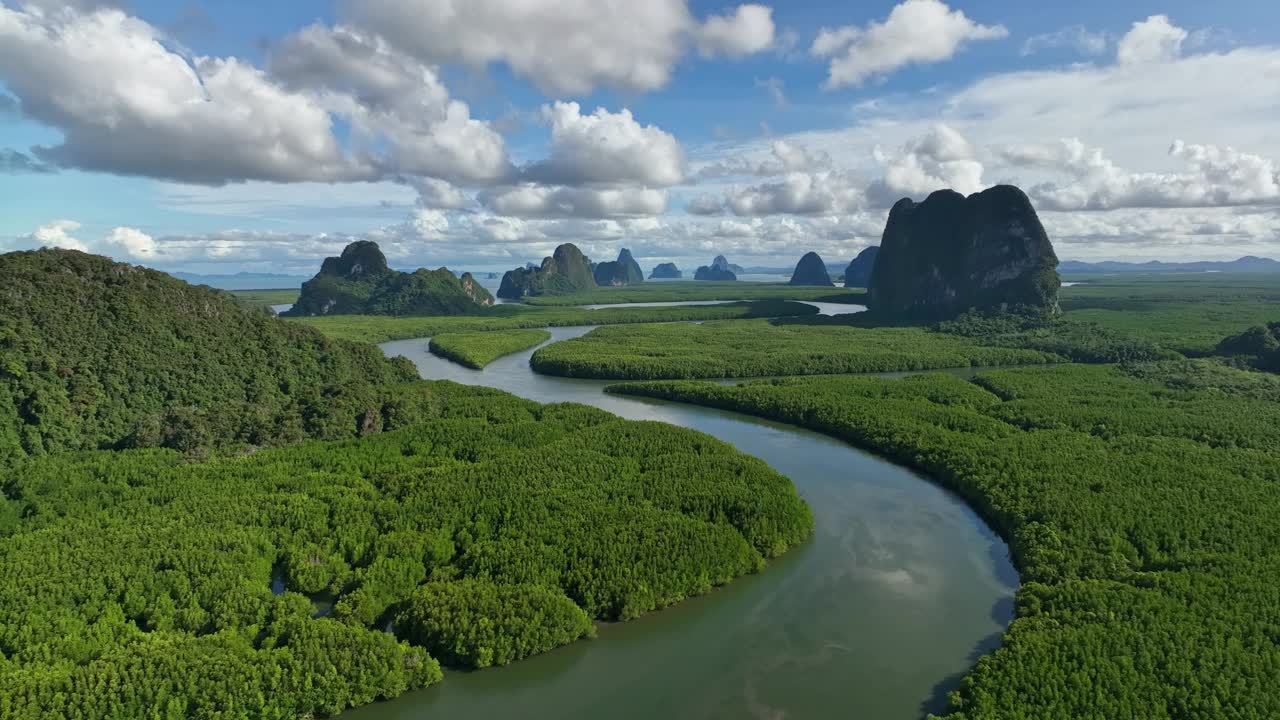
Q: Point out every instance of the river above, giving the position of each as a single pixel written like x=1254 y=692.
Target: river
x=895 y=597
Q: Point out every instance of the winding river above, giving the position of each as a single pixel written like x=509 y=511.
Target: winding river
x=899 y=592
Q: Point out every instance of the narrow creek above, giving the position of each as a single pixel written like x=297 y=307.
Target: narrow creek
x=898 y=593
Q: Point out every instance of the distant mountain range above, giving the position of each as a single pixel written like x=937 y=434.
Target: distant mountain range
x=1248 y=263
x=244 y=281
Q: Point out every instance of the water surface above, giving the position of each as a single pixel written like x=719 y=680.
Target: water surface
x=898 y=593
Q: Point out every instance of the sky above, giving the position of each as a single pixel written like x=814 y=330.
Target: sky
x=238 y=135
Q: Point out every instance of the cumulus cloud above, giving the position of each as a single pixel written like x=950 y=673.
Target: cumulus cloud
x=566 y=47
x=916 y=32
x=531 y=200
x=705 y=204
x=1152 y=40
x=128 y=105
x=606 y=148
x=748 y=30
x=1215 y=176
x=131 y=242
x=57 y=234
x=784 y=157
x=438 y=194
x=1076 y=37
x=385 y=94
x=940 y=159
x=822 y=193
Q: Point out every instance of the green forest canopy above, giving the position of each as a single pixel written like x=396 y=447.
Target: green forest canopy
x=1140 y=504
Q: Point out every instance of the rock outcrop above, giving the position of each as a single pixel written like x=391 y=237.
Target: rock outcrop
x=722 y=263
x=708 y=272
x=623 y=271
x=858 y=274
x=359 y=282
x=950 y=254
x=666 y=271
x=566 y=271
x=811 y=271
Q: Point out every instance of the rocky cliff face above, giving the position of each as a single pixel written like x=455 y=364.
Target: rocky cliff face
x=707 y=272
x=858 y=274
x=950 y=253
x=623 y=271
x=360 y=282
x=666 y=271
x=566 y=271
x=722 y=263
x=811 y=271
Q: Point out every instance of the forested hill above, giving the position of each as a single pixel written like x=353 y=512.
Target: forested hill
x=96 y=354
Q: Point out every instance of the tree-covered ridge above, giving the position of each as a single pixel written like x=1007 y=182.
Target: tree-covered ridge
x=566 y=271
x=513 y=317
x=137 y=583
x=97 y=354
x=623 y=271
x=760 y=348
x=1140 y=504
x=359 y=282
x=1260 y=345
x=477 y=349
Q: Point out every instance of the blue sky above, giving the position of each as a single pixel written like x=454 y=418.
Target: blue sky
x=749 y=137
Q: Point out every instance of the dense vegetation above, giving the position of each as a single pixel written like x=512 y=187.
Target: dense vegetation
x=761 y=348
x=96 y=354
x=359 y=282
x=1140 y=504
x=139 y=584
x=623 y=271
x=1259 y=344
x=268 y=297
x=454 y=621
x=702 y=291
x=515 y=317
x=477 y=349
x=565 y=272
x=1186 y=313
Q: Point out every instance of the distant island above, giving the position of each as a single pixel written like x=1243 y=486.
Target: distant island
x=359 y=282
x=666 y=271
x=566 y=271
x=858 y=274
x=811 y=271
x=1247 y=264
x=623 y=271
x=244 y=280
x=952 y=253
x=720 y=270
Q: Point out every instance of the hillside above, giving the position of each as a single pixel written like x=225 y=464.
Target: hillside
x=359 y=282
x=101 y=354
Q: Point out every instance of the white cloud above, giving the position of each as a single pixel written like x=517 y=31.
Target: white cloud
x=748 y=30
x=784 y=157
x=940 y=159
x=606 y=148
x=566 y=47
x=544 y=201
x=56 y=234
x=133 y=242
x=1216 y=176
x=916 y=32
x=128 y=105
x=1076 y=37
x=822 y=193
x=705 y=204
x=433 y=193
x=385 y=94
x=1150 y=41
